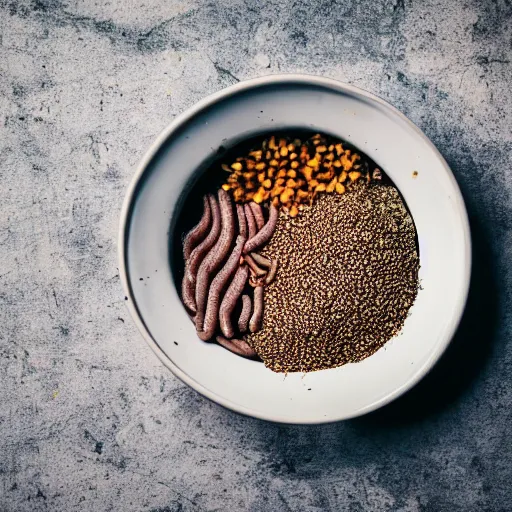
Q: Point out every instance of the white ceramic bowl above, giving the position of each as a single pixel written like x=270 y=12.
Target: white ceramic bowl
x=397 y=146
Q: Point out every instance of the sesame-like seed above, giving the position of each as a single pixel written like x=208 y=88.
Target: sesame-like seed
x=347 y=277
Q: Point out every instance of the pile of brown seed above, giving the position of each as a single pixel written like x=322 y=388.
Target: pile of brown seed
x=348 y=274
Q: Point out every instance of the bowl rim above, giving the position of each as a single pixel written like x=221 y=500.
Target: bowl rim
x=181 y=119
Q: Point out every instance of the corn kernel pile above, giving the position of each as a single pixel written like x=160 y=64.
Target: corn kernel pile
x=290 y=173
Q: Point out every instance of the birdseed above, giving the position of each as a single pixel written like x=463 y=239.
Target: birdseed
x=347 y=277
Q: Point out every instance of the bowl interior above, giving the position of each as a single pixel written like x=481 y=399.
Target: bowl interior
x=177 y=162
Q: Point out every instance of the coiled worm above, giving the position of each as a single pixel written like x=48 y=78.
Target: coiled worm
x=198 y=233
x=218 y=283
x=198 y=254
x=257 y=314
x=245 y=315
x=265 y=233
x=240 y=347
x=258 y=214
x=230 y=299
x=261 y=260
x=215 y=257
x=251 y=223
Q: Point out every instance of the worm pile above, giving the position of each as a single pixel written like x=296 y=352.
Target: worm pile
x=220 y=262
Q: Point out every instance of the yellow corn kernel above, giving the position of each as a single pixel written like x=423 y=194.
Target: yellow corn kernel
x=260 y=166
x=346 y=162
x=291 y=183
x=273 y=163
x=267 y=183
x=291 y=174
x=284 y=151
x=339 y=149
x=259 y=196
x=294 y=164
x=250 y=164
x=281 y=173
x=302 y=194
x=340 y=188
x=286 y=195
x=354 y=175
x=343 y=176
x=313 y=183
x=275 y=202
x=226 y=187
x=321 y=149
x=270 y=172
x=320 y=188
x=277 y=191
x=293 y=211
x=313 y=162
x=336 y=163
x=237 y=166
x=293 y=156
x=283 y=163
x=324 y=176
x=307 y=172
x=261 y=177
x=256 y=155
x=272 y=143
x=280 y=181
x=291 y=147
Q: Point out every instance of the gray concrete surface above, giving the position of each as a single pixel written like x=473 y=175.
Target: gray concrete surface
x=89 y=419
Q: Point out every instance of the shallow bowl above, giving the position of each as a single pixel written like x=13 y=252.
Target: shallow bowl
x=175 y=161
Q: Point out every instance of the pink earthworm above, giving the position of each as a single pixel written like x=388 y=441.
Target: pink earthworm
x=261 y=260
x=264 y=233
x=197 y=255
x=253 y=229
x=256 y=270
x=245 y=315
x=257 y=314
x=215 y=257
x=242 y=221
x=272 y=272
x=240 y=347
x=258 y=214
x=198 y=233
x=218 y=283
x=230 y=299
x=188 y=290
x=255 y=281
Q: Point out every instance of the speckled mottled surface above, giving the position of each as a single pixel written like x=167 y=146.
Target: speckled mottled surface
x=89 y=419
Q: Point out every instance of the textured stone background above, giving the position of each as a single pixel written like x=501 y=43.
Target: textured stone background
x=89 y=419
